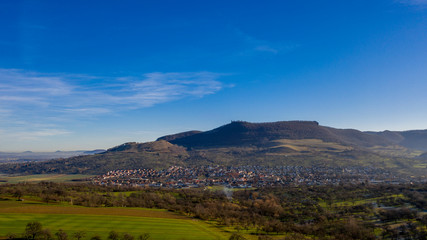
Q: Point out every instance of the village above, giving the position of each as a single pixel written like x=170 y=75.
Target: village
x=245 y=176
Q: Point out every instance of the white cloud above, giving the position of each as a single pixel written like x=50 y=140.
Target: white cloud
x=87 y=111
x=97 y=94
x=46 y=133
x=31 y=135
x=23 y=100
x=163 y=87
x=4 y=112
x=30 y=100
x=15 y=81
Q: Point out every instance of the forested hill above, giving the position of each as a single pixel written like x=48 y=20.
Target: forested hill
x=178 y=135
x=297 y=143
x=414 y=139
x=241 y=133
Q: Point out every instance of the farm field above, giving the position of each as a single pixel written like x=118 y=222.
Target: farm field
x=309 y=145
x=350 y=211
x=160 y=224
x=42 y=177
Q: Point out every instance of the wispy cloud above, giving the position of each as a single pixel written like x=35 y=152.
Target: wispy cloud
x=53 y=98
x=87 y=111
x=164 y=87
x=33 y=134
x=81 y=93
x=417 y=3
x=257 y=46
x=266 y=48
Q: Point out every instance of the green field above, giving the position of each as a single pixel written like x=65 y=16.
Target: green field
x=159 y=224
x=309 y=145
x=42 y=177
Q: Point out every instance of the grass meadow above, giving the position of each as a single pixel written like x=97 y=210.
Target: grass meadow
x=159 y=224
x=42 y=177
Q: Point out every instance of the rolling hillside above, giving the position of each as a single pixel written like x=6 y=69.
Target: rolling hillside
x=245 y=133
x=414 y=139
x=298 y=143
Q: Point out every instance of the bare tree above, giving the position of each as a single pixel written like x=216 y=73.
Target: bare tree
x=144 y=236
x=32 y=230
x=127 y=236
x=61 y=235
x=45 y=235
x=79 y=235
x=113 y=235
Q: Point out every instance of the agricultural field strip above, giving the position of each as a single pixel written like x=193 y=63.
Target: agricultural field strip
x=15 y=214
x=358 y=202
x=366 y=201
x=55 y=209
x=159 y=228
x=310 y=145
x=202 y=227
x=43 y=177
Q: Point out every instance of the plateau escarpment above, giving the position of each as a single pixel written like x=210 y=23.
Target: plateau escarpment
x=296 y=143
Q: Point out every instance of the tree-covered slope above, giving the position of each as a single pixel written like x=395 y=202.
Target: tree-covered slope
x=297 y=143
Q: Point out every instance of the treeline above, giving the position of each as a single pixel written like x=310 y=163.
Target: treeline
x=326 y=212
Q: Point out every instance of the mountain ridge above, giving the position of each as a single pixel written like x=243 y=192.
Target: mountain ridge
x=414 y=139
x=302 y=143
x=253 y=133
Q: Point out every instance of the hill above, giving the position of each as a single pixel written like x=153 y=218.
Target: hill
x=178 y=135
x=244 y=133
x=297 y=143
x=414 y=139
x=125 y=156
x=40 y=156
x=159 y=146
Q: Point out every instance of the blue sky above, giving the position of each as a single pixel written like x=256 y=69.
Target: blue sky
x=95 y=74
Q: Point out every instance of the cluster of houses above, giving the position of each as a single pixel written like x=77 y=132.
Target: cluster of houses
x=244 y=176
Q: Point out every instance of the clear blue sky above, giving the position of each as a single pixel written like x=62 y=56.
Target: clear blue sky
x=95 y=74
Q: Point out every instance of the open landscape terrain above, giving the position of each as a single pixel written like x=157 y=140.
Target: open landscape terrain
x=346 y=211
x=281 y=180
x=44 y=177
x=100 y=221
x=213 y=120
x=292 y=143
